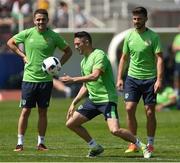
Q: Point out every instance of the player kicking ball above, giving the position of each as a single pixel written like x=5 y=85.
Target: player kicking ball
x=98 y=83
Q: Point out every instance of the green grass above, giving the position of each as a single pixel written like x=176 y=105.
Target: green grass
x=65 y=146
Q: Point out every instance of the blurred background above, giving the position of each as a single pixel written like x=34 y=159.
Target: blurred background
x=106 y=20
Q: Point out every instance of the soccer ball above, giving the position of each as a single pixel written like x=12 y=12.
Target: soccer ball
x=51 y=66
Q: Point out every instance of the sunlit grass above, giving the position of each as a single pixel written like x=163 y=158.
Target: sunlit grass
x=65 y=146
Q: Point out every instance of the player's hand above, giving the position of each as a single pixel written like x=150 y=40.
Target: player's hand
x=25 y=59
x=70 y=111
x=120 y=85
x=159 y=107
x=157 y=86
x=66 y=79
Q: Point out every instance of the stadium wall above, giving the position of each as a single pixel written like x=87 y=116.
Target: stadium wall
x=10 y=64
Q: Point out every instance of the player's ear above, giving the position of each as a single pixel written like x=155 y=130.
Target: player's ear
x=87 y=42
x=34 y=20
x=146 y=19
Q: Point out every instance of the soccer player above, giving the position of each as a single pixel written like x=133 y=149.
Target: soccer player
x=167 y=99
x=176 y=51
x=145 y=74
x=98 y=83
x=39 y=42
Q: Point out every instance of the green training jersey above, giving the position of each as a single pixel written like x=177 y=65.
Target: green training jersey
x=164 y=96
x=176 y=42
x=142 y=49
x=102 y=90
x=38 y=46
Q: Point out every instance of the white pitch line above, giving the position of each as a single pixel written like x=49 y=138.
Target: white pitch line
x=70 y=156
x=43 y=155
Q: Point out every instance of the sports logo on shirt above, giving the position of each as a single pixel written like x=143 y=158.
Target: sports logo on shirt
x=147 y=42
x=131 y=43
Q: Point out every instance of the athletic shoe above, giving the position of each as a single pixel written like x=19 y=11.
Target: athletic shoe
x=18 y=148
x=97 y=150
x=150 y=148
x=132 y=148
x=42 y=147
x=146 y=152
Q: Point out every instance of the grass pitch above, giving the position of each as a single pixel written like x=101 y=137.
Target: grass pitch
x=65 y=146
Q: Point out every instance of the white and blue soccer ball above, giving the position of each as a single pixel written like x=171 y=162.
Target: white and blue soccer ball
x=51 y=66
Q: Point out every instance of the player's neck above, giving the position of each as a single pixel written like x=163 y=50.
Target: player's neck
x=89 y=51
x=141 y=30
x=42 y=30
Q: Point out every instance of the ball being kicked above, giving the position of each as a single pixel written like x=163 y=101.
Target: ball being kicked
x=51 y=66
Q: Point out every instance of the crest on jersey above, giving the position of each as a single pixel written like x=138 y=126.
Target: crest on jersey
x=147 y=42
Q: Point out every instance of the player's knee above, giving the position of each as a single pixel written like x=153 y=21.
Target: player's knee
x=42 y=113
x=69 y=125
x=25 y=113
x=150 y=112
x=130 y=111
x=114 y=131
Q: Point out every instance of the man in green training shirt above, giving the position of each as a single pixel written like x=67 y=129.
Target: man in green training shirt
x=176 y=50
x=39 y=43
x=167 y=99
x=145 y=74
x=98 y=83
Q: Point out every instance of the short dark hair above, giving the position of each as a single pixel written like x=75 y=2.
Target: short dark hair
x=83 y=34
x=63 y=4
x=140 y=10
x=41 y=11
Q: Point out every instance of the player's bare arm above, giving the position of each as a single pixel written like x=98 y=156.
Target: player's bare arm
x=176 y=48
x=13 y=46
x=67 y=54
x=160 y=70
x=122 y=62
x=82 y=93
x=91 y=77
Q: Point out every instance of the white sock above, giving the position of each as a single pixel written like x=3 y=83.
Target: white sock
x=136 y=138
x=138 y=143
x=150 y=140
x=68 y=91
x=176 y=91
x=41 y=139
x=92 y=143
x=20 y=139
